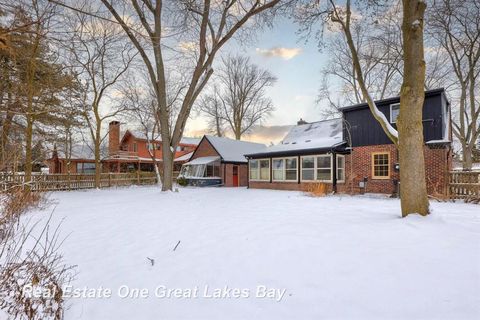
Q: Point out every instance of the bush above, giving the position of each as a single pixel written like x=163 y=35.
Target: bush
x=317 y=189
x=182 y=181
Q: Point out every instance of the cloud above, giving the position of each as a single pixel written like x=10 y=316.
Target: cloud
x=284 y=53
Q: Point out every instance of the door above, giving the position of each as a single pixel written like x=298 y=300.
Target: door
x=235 y=176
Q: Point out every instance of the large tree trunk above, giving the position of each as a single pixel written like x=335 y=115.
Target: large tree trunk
x=167 y=157
x=467 y=158
x=413 y=191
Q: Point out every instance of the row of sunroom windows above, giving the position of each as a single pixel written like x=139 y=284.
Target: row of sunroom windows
x=312 y=168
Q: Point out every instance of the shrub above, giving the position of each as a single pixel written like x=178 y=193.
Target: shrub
x=317 y=189
x=182 y=181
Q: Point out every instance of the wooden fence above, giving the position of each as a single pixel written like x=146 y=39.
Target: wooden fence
x=464 y=184
x=53 y=182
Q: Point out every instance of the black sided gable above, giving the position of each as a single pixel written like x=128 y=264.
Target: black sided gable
x=365 y=130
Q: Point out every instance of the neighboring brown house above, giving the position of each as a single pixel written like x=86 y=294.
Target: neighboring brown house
x=219 y=161
x=352 y=153
x=128 y=153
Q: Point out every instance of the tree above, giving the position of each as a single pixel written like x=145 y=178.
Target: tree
x=204 y=27
x=241 y=100
x=141 y=105
x=210 y=105
x=101 y=56
x=35 y=77
x=409 y=138
x=455 y=27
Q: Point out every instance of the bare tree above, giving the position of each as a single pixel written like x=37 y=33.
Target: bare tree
x=455 y=26
x=240 y=100
x=101 y=56
x=210 y=105
x=141 y=105
x=156 y=27
x=409 y=138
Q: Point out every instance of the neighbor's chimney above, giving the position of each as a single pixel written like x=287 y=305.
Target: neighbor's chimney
x=113 y=137
x=301 y=121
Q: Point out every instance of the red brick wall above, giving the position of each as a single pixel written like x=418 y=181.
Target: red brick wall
x=437 y=164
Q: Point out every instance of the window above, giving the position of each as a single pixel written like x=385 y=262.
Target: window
x=209 y=170
x=278 y=170
x=381 y=165
x=320 y=168
x=291 y=169
x=340 y=168
x=394 y=111
x=134 y=147
x=259 y=169
x=285 y=169
x=324 y=168
x=264 y=169
x=86 y=168
x=308 y=168
x=253 y=169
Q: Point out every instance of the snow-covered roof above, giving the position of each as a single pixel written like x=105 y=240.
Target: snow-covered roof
x=188 y=140
x=316 y=135
x=184 y=157
x=234 y=150
x=141 y=135
x=78 y=151
x=203 y=160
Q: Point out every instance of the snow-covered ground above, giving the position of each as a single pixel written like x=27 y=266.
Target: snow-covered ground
x=336 y=257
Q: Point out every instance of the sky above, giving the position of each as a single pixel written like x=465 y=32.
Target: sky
x=296 y=65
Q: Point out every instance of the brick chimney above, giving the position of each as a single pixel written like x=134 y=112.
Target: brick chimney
x=113 y=137
x=301 y=121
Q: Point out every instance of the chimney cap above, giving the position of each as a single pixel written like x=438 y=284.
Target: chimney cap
x=114 y=123
x=301 y=121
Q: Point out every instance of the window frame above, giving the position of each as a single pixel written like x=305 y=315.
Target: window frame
x=258 y=169
x=331 y=167
x=375 y=177
x=284 y=169
x=336 y=173
x=315 y=167
x=391 y=107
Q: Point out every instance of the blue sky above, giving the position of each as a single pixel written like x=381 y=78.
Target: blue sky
x=297 y=66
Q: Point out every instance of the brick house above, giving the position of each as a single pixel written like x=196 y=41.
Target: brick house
x=127 y=152
x=352 y=154
x=219 y=162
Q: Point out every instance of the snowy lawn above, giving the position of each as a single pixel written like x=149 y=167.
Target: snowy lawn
x=337 y=257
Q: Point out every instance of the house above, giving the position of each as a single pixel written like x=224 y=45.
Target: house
x=131 y=152
x=352 y=153
x=78 y=159
x=219 y=161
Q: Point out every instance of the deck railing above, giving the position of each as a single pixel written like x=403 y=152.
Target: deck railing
x=53 y=182
x=464 y=184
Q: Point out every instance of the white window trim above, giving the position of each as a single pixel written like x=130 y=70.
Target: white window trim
x=284 y=169
x=258 y=169
x=344 y=175
x=315 y=167
x=331 y=167
x=393 y=105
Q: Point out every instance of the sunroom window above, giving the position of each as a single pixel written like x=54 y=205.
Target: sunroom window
x=324 y=168
x=253 y=169
x=259 y=169
x=308 y=168
x=291 y=169
x=278 y=169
